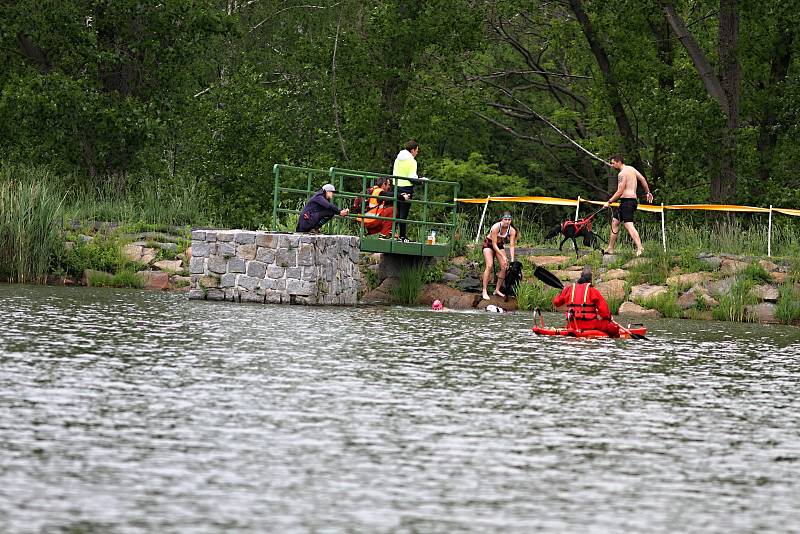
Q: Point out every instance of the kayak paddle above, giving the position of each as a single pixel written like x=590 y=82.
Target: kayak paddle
x=547 y=277
x=632 y=334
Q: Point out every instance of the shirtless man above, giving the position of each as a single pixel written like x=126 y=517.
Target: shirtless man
x=629 y=178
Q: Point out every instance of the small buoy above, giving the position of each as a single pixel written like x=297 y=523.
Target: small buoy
x=494 y=309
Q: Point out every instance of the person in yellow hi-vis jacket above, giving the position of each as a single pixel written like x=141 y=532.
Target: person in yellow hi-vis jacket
x=405 y=166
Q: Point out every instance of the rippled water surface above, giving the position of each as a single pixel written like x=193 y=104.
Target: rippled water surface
x=130 y=411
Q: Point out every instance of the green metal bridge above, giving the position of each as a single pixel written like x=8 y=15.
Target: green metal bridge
x=436 y=205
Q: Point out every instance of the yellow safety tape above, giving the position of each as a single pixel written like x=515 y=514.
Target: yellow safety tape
x=553 y=201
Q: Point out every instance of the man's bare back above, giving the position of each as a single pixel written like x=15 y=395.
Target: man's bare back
x=628 y=180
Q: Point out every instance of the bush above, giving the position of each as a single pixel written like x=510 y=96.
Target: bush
x=532 y=295
x=788 y=309
x=30 y=223
x=409 y=285
x=665 y=303
x=100 y=254
x=732 y=306
x=756 y=274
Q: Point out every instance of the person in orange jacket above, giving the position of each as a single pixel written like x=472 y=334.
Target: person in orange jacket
x=378 y=206
x=586 y=307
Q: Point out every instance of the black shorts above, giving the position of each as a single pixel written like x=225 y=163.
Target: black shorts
x=626 y=210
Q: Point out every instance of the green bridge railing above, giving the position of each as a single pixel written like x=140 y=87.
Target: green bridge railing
x=295 y=185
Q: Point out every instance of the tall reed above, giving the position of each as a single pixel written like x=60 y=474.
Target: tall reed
x=30 y=223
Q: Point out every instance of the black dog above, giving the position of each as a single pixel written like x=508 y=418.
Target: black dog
x=513 y=278
x=573 y=229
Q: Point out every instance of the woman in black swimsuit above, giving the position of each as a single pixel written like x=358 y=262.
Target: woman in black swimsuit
x=502 y=232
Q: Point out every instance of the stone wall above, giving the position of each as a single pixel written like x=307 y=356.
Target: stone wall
x=246 y=266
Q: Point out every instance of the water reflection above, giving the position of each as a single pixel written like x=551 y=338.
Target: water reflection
x=126 y=411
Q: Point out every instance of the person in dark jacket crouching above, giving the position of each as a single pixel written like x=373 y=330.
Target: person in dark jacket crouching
x=318 y=210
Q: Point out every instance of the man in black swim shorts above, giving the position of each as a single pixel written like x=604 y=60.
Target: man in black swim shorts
x=629 y=179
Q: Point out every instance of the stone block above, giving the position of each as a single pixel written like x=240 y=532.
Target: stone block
x=154 y=279
x=766 y=293
x=215 y=294
x=761 y=313
x=132 y=251
x=309 y=274
x=768 y=266
x=287 y=258
x=197 y=294
x=169 y=265
x=211 y=237
x=267 y=284
x=225 y=236
x=612 y=290
x=616 y=274
x=275 y=297
x=636 y=262
x=243 y=238
x=201 y=249
x=246 y=252
x=247 y=282
x=197 y=265
x=256 y=269
x=275 y=271
x=217 y=264
x=299 y=287
x=721 y=287
x=295 y=273
x=227 y=250
x=305 y=256
x=267 y=240
x=266 y=255
x=646 y=291
x=631 y=309
x=289 y=241
x=251 y=296
x=733 y=266
x=209 y=281
x=688 y=279
x=228 y=280
x=236 y=265
x=281 y=284
x=778 y=277
x=698 y=293
x=198 y=235
x=148 y=255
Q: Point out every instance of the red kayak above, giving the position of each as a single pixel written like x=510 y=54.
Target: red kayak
x=637 y=331
x=574 y=332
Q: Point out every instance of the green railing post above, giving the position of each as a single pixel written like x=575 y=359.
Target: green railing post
x=456 y=188
x=276 y=169
x=425 y=211
x=364 y=200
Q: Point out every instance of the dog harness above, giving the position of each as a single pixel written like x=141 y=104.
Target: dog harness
x=578 y=225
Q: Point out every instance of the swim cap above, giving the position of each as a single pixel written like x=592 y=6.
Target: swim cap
x=437 y=305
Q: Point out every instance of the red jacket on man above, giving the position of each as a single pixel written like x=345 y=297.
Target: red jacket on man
x=586 y=309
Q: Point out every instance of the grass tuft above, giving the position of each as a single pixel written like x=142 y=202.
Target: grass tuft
x=410 y=282
x=532 y=295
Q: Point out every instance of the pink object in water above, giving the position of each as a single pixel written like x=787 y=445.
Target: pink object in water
x=437 y=305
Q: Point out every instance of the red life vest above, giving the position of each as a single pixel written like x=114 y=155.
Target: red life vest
x=581 y=310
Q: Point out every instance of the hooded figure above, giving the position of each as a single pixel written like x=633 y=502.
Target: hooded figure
x=318 y=210
x=586 y=307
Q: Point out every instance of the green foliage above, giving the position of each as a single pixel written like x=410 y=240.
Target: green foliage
x=409 y=284
x=30 y=223
x=121 y=279
x=756 y=274
x=477 y=177
x=788 y=308
x=101 y=254
x=665 y=303
x=532 y=295
x=732 y=306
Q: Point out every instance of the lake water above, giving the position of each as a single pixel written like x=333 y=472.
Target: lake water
x=133 y=411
